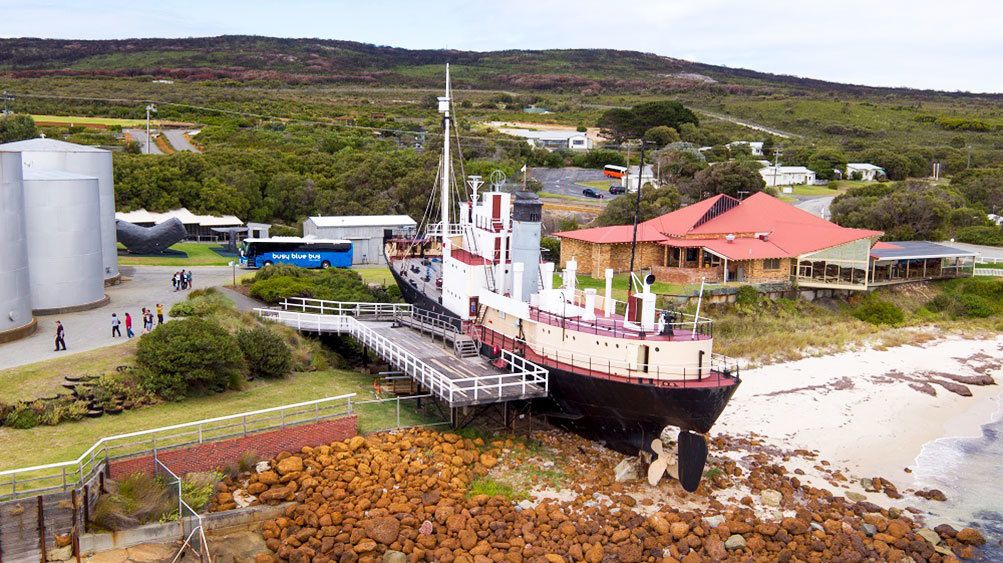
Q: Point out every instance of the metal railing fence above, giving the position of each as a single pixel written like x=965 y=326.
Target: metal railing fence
x=67 y=475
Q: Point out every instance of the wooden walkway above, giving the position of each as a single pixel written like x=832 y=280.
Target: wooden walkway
x=424 y=355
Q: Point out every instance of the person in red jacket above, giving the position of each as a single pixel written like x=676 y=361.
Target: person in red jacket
x=128 y=326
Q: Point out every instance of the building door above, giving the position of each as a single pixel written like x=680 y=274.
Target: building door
x=740 y=276
x=496 y=212
x=642 y=358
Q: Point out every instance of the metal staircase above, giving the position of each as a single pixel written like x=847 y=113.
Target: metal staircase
x=465 y=346
x=489 y=271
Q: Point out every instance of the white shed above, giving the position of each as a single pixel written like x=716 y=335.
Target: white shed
x=867 y=171
x=786 y=175
x=368 y=233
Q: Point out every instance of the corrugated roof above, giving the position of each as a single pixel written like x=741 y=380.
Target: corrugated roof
x=789 y=231
x=42 y=144
x=915 y=249
x=364 y=221
x=182 y=214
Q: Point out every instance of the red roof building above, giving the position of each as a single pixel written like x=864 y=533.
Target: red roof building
x=760 y=239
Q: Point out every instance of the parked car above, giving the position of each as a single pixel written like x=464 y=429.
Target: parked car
x=589 y=192
x=617 y=189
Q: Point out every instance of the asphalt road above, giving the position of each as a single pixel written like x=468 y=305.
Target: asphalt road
x=139 y=135
x=564 y=181
x=176 y=137
x=994 y=252
x=818 y=206
x=87 y=330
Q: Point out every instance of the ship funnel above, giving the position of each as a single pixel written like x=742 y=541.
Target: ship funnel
x=527 y=209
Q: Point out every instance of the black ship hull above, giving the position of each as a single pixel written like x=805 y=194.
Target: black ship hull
x=625 y=416
x=628 y=416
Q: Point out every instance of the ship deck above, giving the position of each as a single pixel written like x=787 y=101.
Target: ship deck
x=432 y=271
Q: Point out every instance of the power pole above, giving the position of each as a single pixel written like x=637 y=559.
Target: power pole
x=149 y=108
x=776 y=163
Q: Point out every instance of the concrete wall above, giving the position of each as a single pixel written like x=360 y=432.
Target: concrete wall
x=209 y=456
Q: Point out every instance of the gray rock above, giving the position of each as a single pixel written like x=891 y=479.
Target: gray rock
x=60 y=553
x=734 y=542
x=626 y=470
x=714 y=521
x=869 y=529
x=928 y=535
x=867 y=484
x=855 y=496
x=769 y=497
x=394 y=557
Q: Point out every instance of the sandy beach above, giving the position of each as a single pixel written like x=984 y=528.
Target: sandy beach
x=871 y=411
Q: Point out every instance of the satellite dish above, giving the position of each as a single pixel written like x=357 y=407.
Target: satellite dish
x=649 y=279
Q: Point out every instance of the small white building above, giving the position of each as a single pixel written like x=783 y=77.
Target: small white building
x=632 y=180
x=553 y=140
x=755 y=146
x=368 y=233
x=775 y=176
x=868 y=172
x=199 y=227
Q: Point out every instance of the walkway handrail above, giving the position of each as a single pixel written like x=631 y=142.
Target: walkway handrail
x=523 y=373
x=350 y=308
x=67 y=474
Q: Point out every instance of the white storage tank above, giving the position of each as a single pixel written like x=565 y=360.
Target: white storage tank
x=15 y=291
x=62 y=218
x=51 y=154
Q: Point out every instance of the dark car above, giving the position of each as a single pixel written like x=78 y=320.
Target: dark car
x=617 y=189
x=589 y=192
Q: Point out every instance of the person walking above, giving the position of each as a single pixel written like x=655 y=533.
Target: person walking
x=59 y=337
x=160 y=313
x=128 y=326
x=115 y=324
x=182 y=280
x=188 y=280
x=174 y=280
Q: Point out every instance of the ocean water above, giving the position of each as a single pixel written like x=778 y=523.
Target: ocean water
x=970 y=472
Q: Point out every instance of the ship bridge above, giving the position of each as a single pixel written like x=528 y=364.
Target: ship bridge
x=414 y=342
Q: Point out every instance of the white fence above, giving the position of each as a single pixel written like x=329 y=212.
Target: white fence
x=63 y=476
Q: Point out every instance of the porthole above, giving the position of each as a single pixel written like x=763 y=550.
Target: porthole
x=656 y=348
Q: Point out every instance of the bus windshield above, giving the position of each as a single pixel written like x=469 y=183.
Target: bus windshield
x=306 y=253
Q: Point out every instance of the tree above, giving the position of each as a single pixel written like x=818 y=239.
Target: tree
x=620 y=124
x=911 y=210
x=676 y=166
x=661 y=135
x=654 y=202
x=825 y=162
x=598 y=158
x=897 y=166
x=17 y=127
x=731 y=178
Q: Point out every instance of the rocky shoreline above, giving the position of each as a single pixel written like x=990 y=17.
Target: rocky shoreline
x=419 y=495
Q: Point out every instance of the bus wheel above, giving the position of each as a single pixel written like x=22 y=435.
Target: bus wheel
x=325 y=264
x=268 y=262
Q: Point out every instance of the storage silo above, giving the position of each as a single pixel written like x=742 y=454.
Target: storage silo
x=52 y=154
x=15 y=290
x=62 y=220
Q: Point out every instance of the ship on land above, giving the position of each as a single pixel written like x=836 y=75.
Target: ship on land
x=620 y=371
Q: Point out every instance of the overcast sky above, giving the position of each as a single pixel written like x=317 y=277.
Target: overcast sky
x=946 y=45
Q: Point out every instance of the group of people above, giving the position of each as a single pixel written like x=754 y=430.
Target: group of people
x=147 y=317
x=182 y=280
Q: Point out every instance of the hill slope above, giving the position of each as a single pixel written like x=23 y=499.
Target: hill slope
x=299 y=61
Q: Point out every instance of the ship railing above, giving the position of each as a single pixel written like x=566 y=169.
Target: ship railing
x=680 y=327
x=522 y=375
x=435 y=229
x=713 y=369
x=375 y=311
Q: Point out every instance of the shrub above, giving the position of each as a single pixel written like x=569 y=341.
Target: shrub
x=976 y=306
x=23 y=416
x=747 y=296
x=990 y=235
x=135 y=499
x=274 y=283
x=188 y=356
x=264 y=352
x=201 y=303
x=877 y=311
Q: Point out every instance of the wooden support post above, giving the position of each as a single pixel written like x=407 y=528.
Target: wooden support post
x=74 y=533
x=87 y=506
x=41 y=527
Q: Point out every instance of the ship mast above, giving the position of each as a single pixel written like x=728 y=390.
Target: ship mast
x=637 y=210
x=444 y=105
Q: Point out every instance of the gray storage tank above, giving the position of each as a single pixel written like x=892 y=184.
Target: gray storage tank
x=62 y=217
x=52 y=154
x=15 y=291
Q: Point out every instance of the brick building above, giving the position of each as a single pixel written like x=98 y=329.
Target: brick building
x=721 y=239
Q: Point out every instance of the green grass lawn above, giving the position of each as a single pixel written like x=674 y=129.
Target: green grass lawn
x=620 y=284
x=833 y=188
x=379 y=275
x=601 y=185
x=68 y=440
x=199 y=254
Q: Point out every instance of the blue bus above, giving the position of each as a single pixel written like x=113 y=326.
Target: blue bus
x=298 y=251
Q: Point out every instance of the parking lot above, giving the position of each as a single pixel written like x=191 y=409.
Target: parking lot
x=566 y=181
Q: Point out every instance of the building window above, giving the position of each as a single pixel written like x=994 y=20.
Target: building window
x=771 y=264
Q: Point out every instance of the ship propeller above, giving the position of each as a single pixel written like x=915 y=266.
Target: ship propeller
x=658 y=466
